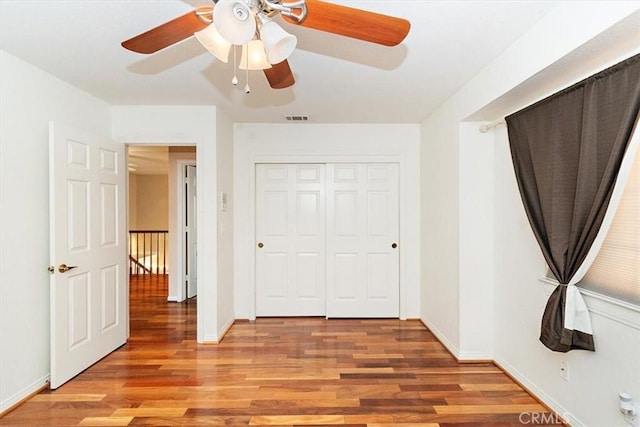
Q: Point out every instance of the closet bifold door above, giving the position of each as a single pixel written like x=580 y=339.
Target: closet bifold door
x=290 y=240
x=362 y=240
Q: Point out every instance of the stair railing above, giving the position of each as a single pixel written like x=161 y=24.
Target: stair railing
x=148 y=252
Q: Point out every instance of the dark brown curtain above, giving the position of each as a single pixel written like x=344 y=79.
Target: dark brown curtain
x=567 y=150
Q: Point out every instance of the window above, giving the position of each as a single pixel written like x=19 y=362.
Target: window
x=616 y=269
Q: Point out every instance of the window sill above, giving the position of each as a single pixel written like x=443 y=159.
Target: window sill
x=602 y=305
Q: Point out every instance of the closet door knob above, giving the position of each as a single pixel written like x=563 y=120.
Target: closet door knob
x=394 y=245
x=260 y=245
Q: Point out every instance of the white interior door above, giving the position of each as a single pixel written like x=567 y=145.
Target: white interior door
x=191 y=231
x=362 y=240
x=88 y=236
x=290 y=246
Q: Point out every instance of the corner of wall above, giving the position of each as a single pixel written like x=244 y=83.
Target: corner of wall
x=18 y=397
x=225 y=222
x=444 y=340
x=476 y=241
x=439 y=240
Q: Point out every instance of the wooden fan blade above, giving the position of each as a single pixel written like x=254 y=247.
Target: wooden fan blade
x=355 y=23
x=168 y=33
x=280 y=75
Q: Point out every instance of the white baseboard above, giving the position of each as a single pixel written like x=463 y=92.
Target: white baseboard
x=172 y=298
x=23 y=394
x=225 y=328
x=464 y=356
x=215 y=339
x=540 y=394
x=509 y=369
x=445 y=342
x=210 y=339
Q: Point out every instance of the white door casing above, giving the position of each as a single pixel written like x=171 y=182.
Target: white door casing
x=362 y=240
x=326 y=144
x=87 y=232
x=290 y=240
x=354 y=261
x=191 y=231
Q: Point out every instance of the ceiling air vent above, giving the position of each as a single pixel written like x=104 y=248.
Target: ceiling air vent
x=297 y=118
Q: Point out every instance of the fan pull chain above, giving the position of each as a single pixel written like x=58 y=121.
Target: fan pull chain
x=247 y=89
x=234 y=80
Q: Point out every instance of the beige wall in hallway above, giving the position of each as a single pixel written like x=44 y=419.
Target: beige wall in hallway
x=148 y=202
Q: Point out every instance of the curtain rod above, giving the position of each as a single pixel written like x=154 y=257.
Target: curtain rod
x=486 y=128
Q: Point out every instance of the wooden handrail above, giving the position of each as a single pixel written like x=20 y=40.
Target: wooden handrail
x=139 y=264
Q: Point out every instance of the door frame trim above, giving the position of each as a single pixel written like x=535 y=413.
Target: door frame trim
x=322 y=159
x=326 y=143
x=181 y=164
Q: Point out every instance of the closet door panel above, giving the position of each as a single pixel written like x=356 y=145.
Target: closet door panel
x=290 y=240
x=362 y=228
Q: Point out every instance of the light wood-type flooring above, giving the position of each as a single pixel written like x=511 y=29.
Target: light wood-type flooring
x=279 y=371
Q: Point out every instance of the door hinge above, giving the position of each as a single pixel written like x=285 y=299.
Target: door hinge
x=187 y=228
x=186 y=179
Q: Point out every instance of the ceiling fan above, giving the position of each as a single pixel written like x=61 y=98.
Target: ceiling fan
x=266 y=45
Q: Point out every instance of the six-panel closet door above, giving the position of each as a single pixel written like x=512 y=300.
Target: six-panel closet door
x=290 y=234
x=327 y=240
x=363 y=276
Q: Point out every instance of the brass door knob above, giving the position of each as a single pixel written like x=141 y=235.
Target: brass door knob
x=394 y=245
x=260 y=245
x=63 y=268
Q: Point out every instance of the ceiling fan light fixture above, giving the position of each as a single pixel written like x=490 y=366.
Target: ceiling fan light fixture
x=234 y=21
x=278 y=44
x=211 y=39
x=240 y=21
x=253 y=53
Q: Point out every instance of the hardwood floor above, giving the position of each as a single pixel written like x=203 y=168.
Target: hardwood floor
x=279 y=371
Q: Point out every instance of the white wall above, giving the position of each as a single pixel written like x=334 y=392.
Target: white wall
x=224 y=141
x=440 y=293
x=185 y=125
x=293 y=143
x=573 y=41
x=29 y=99
x=475 y=240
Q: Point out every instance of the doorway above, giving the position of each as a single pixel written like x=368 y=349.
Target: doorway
x=157 y=215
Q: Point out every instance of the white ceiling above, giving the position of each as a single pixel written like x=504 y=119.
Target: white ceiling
x=337 y=79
